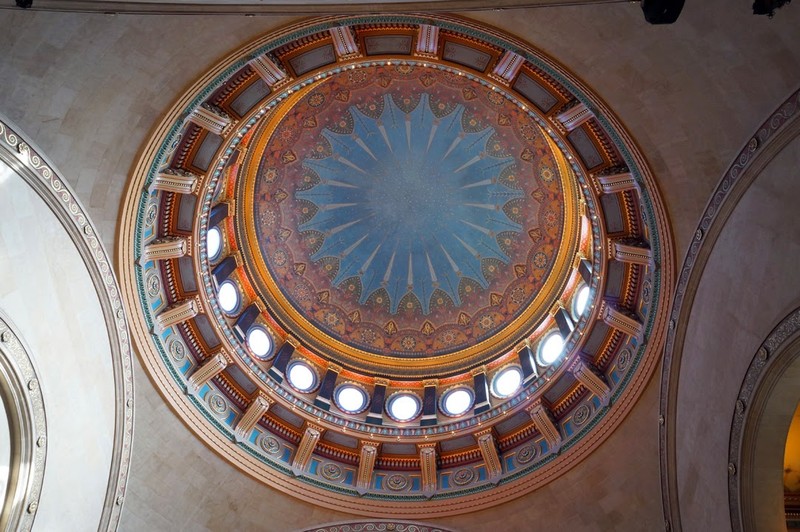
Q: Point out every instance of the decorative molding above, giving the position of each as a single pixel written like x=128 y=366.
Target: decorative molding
x=775 y=133
x=24 y=404
x=376 y=525
x=310 y=487
x=47 y=181
x=769 y=361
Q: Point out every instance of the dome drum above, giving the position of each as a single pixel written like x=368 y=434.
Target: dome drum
x=407 y=225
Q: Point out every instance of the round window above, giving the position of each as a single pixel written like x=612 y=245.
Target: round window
x=213 y=243
x=260 y=342
x=551 y=348
x=228 y=297
x=457 y=401
x=404 y=406
x=581 y=301
x=301 y=377
x=507 y=381
x=351 y=399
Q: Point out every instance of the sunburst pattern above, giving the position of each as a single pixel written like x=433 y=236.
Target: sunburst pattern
x=410 y=202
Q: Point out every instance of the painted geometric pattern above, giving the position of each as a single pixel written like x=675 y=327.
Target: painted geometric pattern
x=408 y=211
x=409 y=203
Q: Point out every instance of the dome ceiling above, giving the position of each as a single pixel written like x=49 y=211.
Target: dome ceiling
x=395 y=265
x=407 y=212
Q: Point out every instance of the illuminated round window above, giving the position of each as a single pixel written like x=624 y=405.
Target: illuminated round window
x=351 y=399
x=228 y=297
x=260 y=342
x=507 y=381
x=551 y=348
x=213 y=243
x=581 y=301
x=301 y=377
x=404 y=406
x=457 y=401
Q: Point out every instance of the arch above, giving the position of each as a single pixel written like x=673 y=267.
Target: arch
x=780 y=129
x=764 y=409
x=25 y=159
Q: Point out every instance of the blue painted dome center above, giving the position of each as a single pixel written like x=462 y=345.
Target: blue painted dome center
x=409 y=203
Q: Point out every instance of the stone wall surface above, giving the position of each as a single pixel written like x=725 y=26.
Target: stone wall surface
x=89 y=89
x=749 y=284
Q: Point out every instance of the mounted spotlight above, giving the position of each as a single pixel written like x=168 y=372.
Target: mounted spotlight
x=24 y=4
x=662 y=11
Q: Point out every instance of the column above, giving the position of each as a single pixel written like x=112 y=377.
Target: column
x=178 y=313
x=368 y=453
x=175 y=180
x=507 y=67
x=630 y=252
x=543 y=421
x=210 y=369
x=170 y=247
x=428 y=41
x=258 y=407
x=427 y=462
x=271 y=73
x=574 y=116
x=619 y=320
x=590 y=377
x=302 y=456
x=488 y=447
x=210 y=118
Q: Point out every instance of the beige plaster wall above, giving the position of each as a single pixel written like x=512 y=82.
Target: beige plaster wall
x=750 y=283
x=88 y=88
x=47 y=292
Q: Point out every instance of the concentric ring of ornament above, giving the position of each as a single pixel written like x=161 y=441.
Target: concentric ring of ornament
x=406 y=253
x=206 y=319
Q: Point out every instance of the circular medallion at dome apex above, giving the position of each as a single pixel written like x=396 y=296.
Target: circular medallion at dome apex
x=408 y=211
x=315 y=100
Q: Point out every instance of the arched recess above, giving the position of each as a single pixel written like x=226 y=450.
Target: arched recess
x=25 y=439
x=713 y=328
x=60 y=290
x=764 y=410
